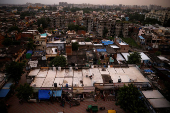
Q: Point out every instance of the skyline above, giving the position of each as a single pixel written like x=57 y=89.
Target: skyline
x=163 y=3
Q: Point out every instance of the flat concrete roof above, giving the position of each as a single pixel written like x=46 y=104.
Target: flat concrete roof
x=34 y=72
x=132 y=73
x=42 y=73
x=60 y=73
x=159 y=103
x=48 y=82
x=68 y=81
x=73 y=77
x=86 y=80
x=152 y=94
x=59 y=81
x=38 y=82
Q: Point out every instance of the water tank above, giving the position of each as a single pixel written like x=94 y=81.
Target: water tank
x=70 y=68
x=54 y=68
x=59 y=68
x=108 y=66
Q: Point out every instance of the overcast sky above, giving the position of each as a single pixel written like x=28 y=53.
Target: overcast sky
x=164 y=3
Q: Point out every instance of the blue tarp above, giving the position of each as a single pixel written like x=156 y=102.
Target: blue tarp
x=107 y=42
x=43 y=94
x=7 y=85
x=141 y=37
x=127 y=18
x=148 y=70
x=4 y=92
x=101 y=50
x=30 y=51
x=56 y=93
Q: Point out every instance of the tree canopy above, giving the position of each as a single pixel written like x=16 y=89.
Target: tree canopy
x=24 y=91
x=76 y=27
x=129 y=99
x=43 y=22
x=58 y=61
x=134 y=58
x=105 y=31
x=87 y=40
x=40 y=29
x=13 y=28
x=30 y=44
x=75 y=46
x=7 y=42
x=14 y=70
x=167 y=24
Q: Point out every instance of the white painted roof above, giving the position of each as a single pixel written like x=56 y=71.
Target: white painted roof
x=88 y=43
x=123 y=43
x=59 y=81
x=42 y=73
x=106 y=72
x=119 y=57
x=125 y=55
x=97 y=44
x=159 y=103
x=60 y=73
x=144 y=56
x=48 y=82
x=114 y=46
x=152 y=94
x=162 y=58
x=68 y=81
x=51 y=74
x=38 y=82
x=82 y=43
x=68 y=73
x=86 y=80
x=34 y=72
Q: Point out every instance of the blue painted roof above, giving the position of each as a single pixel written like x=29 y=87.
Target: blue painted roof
x=45 y=34
x=107 y=42
x=141 y=37
x=56 y=93
x=4 y=92
x=43 y=94
x=101 y=50
x=29 y=51
x=7 y=85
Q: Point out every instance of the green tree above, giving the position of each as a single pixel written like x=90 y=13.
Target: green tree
x=43 y=22
x=75 y=46
x=58 y=61
x=129 y=99
x=157 y=53
x=105 y=31
x=30 y=45
x=14 y=70
x=40 y=29
x=23 y=14
x=7 y=42
x=3 y=108
x=87 y=40
x=167 y=24
x=134 y=58
x=13 y=28
x=24 y=91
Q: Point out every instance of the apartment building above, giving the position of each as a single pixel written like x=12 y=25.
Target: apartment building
x=160 y=15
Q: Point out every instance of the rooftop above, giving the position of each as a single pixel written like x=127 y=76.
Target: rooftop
x=80 y=77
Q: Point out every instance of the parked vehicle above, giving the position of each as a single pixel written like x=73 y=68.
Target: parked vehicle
x=92 y=108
